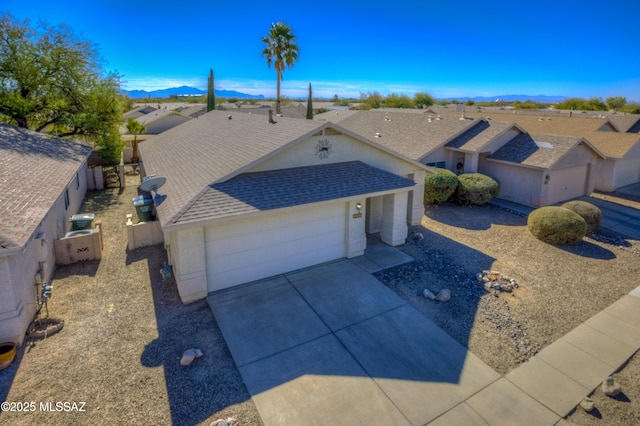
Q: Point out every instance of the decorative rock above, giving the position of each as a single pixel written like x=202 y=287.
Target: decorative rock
x=428 y=295
x=220 y=422
x=418 y=236
x=610 y=387
x=443 y=295
x=189 y=355
x=587 y=404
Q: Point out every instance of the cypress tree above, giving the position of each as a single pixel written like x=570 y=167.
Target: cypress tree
x=211 y=97
x=309 y=105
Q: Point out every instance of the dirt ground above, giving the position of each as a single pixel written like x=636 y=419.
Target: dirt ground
x=126 y=329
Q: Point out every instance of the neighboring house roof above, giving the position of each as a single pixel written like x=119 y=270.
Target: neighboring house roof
x=611 y=144
x=479 y=135
x=413 y=135
x=34 y=170
x=538 y=150
x=152 y=117
x=216 y=148
x=194 y=111
x=139 y=111
x=289 y=112
x=274 y=189
x=625 y=123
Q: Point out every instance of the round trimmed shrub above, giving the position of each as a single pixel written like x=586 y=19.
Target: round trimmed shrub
x=556 y=225
x=475 y=189
x=439 y=186
x=589 y=212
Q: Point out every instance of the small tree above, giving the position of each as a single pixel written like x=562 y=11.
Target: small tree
x=423 y=100
x=398 y=101
x=135 y=128
x=310 y=105
x=616 y=103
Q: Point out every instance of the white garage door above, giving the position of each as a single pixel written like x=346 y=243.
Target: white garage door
x=566 y=184
x=251 y=249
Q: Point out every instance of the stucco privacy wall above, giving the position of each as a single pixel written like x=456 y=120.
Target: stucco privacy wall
x=344 y=148
x=20 y=272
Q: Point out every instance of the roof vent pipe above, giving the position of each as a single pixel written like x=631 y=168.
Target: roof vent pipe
x=271 y=116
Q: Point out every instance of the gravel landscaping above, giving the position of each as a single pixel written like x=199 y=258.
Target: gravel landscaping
x=125 y=328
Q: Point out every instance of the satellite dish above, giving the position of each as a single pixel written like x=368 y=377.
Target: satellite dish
x=152 y=183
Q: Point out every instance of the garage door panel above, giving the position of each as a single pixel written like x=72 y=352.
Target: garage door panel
x=568 y=183
x=264 y=246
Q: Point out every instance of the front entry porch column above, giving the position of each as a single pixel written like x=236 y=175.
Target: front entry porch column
x=415 y=212
x=394 y=230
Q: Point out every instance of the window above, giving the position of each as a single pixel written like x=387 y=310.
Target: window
x=438 y=164
x=77 y=181
x=66 y=198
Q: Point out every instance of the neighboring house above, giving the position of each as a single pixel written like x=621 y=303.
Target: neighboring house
x=539 y=170
x=288 y=112
x=622 y=124
x=194 y=111
x=43 y=181
x=248 y=197
x=139 y=111
x=417 y=134
x=621 y=150
x=160 y=121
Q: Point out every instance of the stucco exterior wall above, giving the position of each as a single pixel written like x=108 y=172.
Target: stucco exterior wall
x=518 y=184
x=604 y=175
x=627 y=171
x=36 y=263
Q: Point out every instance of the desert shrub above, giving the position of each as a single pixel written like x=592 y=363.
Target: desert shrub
x=475 y=189
x=589 y=212
x=439 y=186
x=556 y=225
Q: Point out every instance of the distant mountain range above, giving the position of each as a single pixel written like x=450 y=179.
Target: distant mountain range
x=186 y=91
x=512 y=98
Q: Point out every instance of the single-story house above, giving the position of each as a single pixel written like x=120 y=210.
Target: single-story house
x=159 y=121
x=43 y=181
x=250 y=196
x=416 y=134
x=613 y=136
x=539 y=170
x=139 y=111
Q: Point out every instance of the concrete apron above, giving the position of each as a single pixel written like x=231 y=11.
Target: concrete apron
x=333 y=345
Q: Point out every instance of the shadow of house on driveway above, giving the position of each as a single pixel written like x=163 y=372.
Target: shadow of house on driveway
x=212 y=383
x=332 y=340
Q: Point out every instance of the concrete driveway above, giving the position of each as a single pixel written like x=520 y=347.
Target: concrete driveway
x=333 y=345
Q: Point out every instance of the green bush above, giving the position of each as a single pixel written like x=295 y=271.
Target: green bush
x=439 y=186
x=589 y=212
x=557 y=225
x=475 y=189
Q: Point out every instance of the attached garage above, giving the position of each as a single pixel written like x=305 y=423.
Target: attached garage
x=246 y=198
x=271 y=244
x=566 y=184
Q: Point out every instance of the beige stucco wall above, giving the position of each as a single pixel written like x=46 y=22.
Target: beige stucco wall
x=19 y=272
x=604 y=175
x=518 y=184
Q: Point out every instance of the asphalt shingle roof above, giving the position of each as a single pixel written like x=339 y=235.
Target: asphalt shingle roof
x=34 y=171
x=275 y=189
x=210 y=149
x=610 y=144
x=536 y=150
x=412 y=134
x=625 y=123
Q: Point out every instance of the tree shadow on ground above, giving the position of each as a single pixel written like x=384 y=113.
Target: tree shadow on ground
x=475 y=218
x=211 y=383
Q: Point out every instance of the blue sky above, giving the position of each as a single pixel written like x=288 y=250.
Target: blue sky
x=449 y=48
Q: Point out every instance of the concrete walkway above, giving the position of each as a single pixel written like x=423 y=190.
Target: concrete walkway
x=615 y=217
x=333 y=345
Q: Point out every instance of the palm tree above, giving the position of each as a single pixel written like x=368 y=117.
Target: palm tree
x=281 y=50
x=135 y=128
